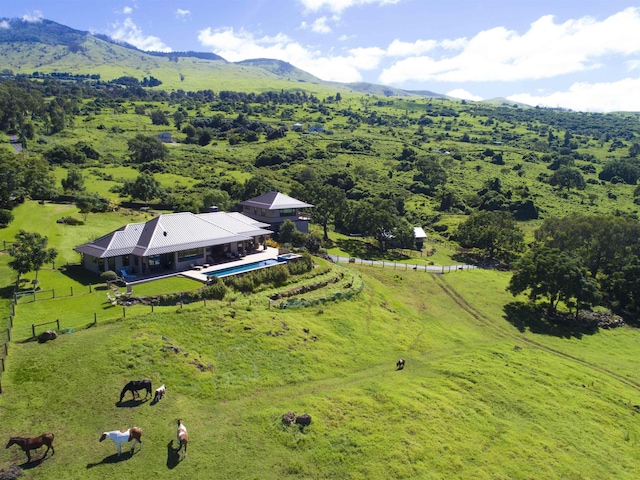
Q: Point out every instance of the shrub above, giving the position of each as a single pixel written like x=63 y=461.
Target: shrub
x=216 y=290
x=6 y=217
x=108 y=276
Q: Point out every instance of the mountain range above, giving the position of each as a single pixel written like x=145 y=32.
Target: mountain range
x=49 y=47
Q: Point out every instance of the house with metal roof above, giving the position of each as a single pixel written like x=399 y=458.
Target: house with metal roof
x=174 y=242
x=275 y=207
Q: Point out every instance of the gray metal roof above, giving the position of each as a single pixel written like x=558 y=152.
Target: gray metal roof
x=175 y=232
x=275 y=201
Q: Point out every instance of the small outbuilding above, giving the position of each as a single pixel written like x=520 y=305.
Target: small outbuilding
x=420 y=236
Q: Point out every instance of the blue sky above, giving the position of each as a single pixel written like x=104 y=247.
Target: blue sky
x=577 y=54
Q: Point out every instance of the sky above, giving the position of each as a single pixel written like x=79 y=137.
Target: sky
x=581 y=55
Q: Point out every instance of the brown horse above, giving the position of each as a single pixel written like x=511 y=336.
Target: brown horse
x=27 y=444
x=183 y=438
x=133 y=386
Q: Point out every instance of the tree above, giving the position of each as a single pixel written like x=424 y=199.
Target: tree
x=145 y=187
x=287 y=231
x=29 y=253
x=11 y=180
x=178 y=118
x=6 y=217
x=39 y=181
x=556 y=275
x=430 y=172
x=90 y=202
x=146 y=149
x=74 y=181
x=159 y=118
x=327 y=200
x=568 y=177
x=494 y=234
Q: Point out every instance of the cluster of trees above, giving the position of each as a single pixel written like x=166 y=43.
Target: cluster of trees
x=583 y=260
x=25 y=177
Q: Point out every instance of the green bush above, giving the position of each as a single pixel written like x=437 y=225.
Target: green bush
x=6 y=217
x=216 y=290
x=108 y=276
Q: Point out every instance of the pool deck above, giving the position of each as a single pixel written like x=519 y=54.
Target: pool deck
x=201 y=274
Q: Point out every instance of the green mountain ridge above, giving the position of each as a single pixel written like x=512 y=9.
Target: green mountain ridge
x=49 y=47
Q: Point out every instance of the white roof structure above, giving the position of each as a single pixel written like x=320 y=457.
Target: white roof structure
x=174 y=232
x=418 y=233
x=275 y=201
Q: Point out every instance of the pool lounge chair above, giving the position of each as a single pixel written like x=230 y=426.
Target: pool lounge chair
x=126 y=275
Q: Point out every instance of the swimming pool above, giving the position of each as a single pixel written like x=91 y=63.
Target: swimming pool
x=225 y=272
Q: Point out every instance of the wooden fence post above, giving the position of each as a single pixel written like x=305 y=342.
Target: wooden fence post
x=90 y=288
x=95 y=318
x=6 y=349
x=33 y=330
x=53 y=293
x=10 y=321
x=124 y=312
x=72 y=290
x=152 y=308
x=2 y=360
x=58 y=323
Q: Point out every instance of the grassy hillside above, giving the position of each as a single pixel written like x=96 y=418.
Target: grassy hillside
x=476 y=399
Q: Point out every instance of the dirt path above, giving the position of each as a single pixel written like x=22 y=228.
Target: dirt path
x=486 y=321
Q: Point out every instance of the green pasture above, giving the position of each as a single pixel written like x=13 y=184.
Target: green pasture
x=477 y=399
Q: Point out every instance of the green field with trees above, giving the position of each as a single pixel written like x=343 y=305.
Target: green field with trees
x=523 y=368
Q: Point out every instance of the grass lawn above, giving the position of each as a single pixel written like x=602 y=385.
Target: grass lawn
x=477 y=398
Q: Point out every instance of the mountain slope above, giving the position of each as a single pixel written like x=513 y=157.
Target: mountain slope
x=47 y=47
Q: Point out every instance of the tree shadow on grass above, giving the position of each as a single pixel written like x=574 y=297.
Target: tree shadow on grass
x=525 y=316
x=365 y=250
x=113 y=459
x=173 y=457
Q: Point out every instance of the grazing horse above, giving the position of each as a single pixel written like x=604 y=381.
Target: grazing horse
x=160 y=391
x=120 y=436
x=133 y=386
x=27 y=444
x=183 y=438
x=400 y=364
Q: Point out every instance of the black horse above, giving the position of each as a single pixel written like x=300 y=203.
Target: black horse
x=133 y=386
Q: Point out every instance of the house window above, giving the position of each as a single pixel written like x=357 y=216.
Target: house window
x=111 y=263
x=287 y=212
x=263 y=212
x=125 y=260
x=190 y=254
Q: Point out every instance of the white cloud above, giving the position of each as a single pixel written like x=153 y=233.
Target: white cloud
x=344 y=38
x=338 y=6
x=180 y=13
x=407 y=49
x=463 y=94
x=318 y=26
x=4 y=24
x=546 y=50
x=129 y=32
x=34 y=17
x=235 y=46
x=621 y=95
x=127 y=10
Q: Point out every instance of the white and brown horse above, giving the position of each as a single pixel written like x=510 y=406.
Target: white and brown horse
x=160 y=392
x=183 y=438
x=27 y=444
x=400 y=364
x=124 y=436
